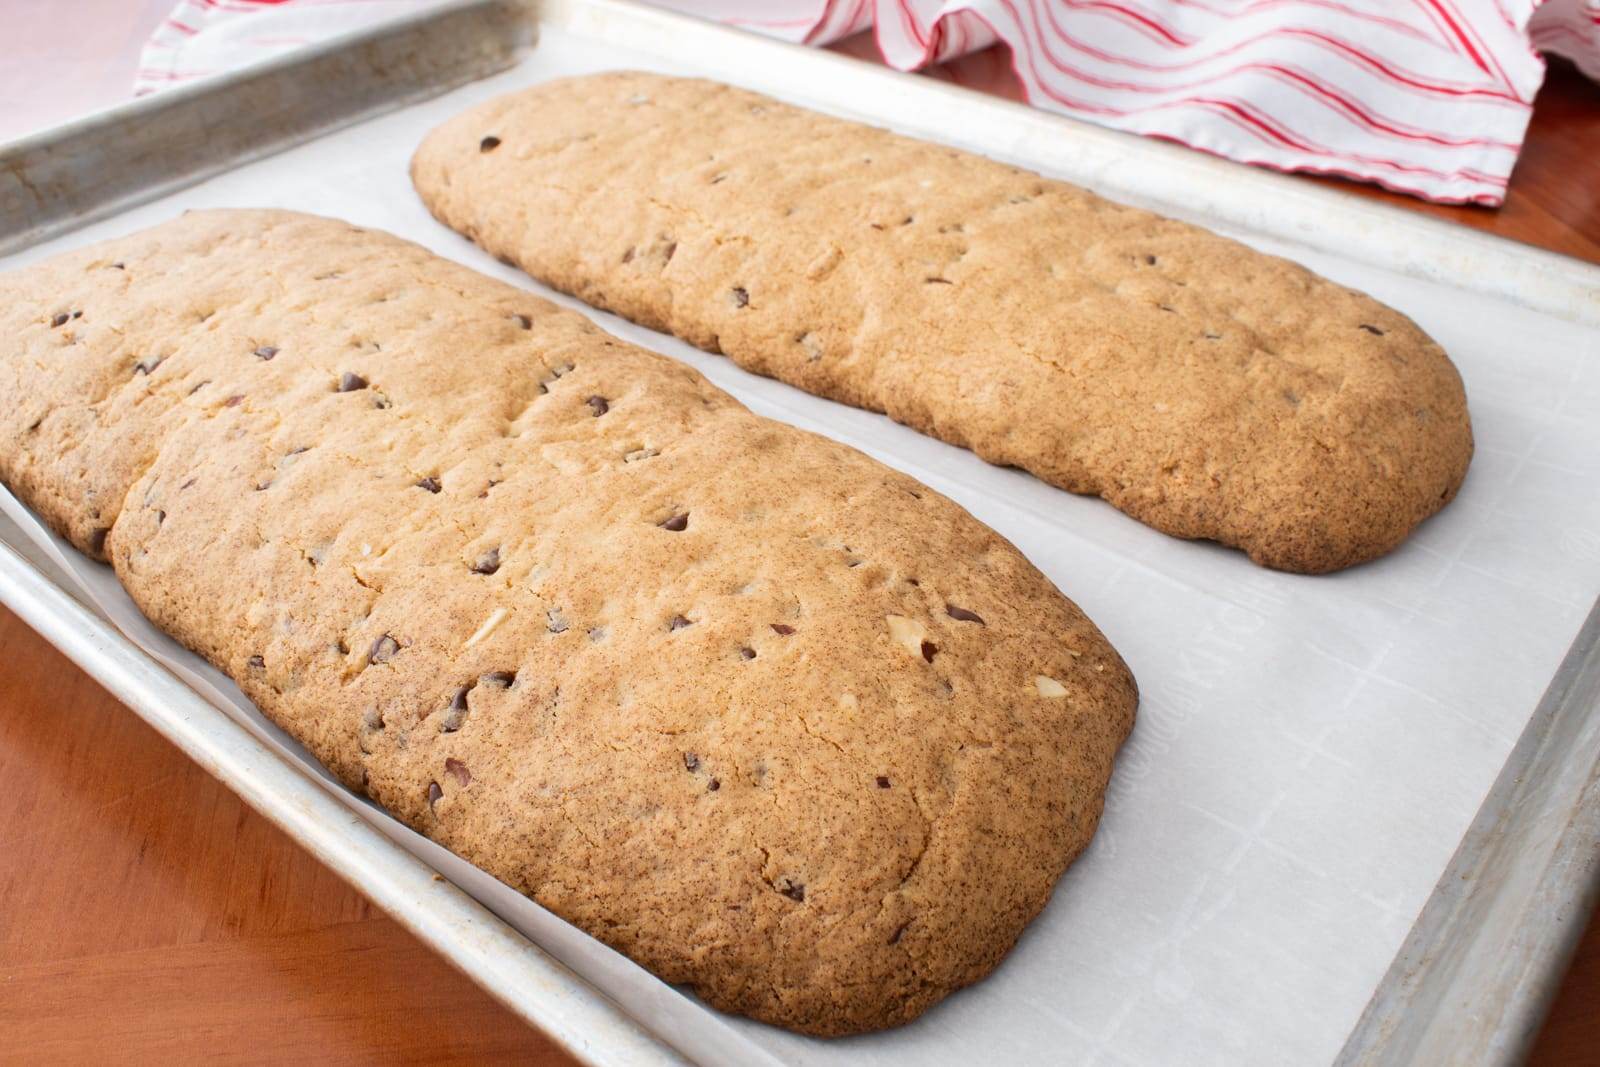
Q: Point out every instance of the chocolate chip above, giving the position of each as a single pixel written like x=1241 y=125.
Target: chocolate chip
x=883 y=781
x=523 y=321
x=598 y=405
x=458 y=770
x=555 y=622
x=383 y=649
x=747 y=653
x=894 y=938
x=1150 y=260
x=59 y=320
x=487 y=563
x=350 y=382
x=265 y=352
x=458 y=699
x=499 y=679
x=1165 y=308
x=489 y=143
x=430 y=483
x=434 y=793
x=691 y=762
x=780 y=628
x=233 y=401
x=791 y=889
x=1372 y=330
x=741 y=297
x=713 y=785
x=938 y=281
x=667 y=252
x=675 y=523
x=929 y=650
x=679 y=622
x=118 y=266
x=963 y=615
x=257 y=663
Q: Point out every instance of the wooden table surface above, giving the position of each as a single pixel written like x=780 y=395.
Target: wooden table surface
x=146 y=913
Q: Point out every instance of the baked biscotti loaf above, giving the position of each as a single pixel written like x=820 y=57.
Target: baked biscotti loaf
x=764 y=714
x=1201 y=387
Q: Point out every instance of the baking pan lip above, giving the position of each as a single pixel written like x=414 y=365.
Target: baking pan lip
x=1426 y=978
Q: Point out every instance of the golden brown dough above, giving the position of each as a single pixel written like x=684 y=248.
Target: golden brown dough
x=740 y=701
x=1202 y=387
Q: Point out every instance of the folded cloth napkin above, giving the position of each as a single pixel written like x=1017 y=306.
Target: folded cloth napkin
x=1427 y=97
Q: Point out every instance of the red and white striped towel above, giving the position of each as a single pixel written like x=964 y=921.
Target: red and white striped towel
x=1428 y=97
x=205 y=37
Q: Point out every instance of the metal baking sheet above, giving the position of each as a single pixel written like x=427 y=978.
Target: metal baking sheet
x=503 y=961
x=1358 y=813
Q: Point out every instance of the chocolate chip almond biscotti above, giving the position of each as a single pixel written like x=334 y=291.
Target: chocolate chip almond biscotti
x=1201 y=387
x=764 y=714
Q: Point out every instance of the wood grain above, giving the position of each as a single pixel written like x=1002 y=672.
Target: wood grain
x=147 y=914
x=1571 y=1034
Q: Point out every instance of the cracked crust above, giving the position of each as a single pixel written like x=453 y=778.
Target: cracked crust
x=1204 y=388
x=765 y=715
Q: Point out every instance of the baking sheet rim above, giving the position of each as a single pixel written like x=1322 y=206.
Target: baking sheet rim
x=1533 y=278
x=489 y=951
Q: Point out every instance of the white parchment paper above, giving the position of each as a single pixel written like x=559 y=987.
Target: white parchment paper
x=1309 y=750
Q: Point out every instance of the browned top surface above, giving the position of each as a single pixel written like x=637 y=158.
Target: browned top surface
x=161 y=918
x=763 y=714
x=1200 y=386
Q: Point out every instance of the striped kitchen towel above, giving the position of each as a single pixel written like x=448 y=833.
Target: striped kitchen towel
x=1427 y=97
x=205 y=37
